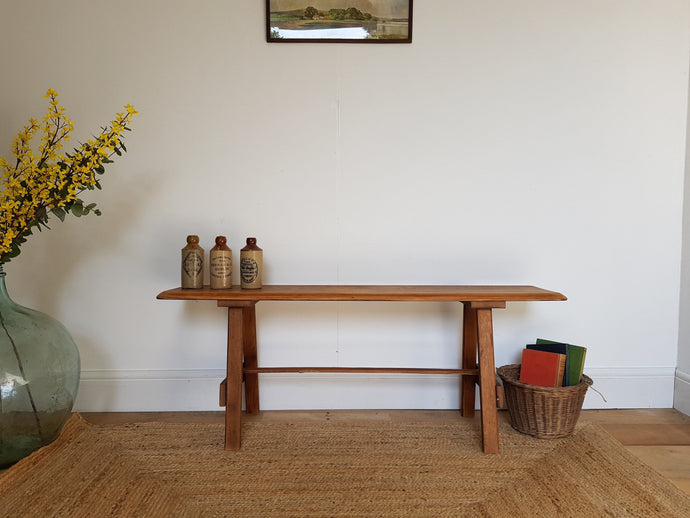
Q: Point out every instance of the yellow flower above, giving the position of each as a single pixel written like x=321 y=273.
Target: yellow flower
x=39 y=183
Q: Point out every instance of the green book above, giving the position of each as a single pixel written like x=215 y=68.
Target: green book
x=575 y=361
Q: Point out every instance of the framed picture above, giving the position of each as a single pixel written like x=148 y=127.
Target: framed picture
x=339 y=21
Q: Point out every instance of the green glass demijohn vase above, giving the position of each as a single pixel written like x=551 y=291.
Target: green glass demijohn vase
x=39 y=378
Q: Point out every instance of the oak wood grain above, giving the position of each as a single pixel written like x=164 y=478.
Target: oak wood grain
x=368 y=293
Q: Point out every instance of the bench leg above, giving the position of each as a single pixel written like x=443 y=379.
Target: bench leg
x=233 y=382
x=487 y=380
x=469 y=359
x=251 y=381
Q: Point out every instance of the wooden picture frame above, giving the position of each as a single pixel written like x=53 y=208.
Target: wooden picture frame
x=339 y=21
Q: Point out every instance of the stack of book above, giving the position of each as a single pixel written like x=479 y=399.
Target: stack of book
x=552 y=364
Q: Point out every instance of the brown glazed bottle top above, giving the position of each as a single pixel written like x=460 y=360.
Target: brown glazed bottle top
x=251 y=244
x=221 y=243
x=193 y=240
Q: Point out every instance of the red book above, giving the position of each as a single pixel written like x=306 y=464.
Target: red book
x=542 y=368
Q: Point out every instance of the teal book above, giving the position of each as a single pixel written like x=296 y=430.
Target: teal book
x=575 y=361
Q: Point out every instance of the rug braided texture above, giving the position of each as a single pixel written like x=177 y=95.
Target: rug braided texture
x=337 y=468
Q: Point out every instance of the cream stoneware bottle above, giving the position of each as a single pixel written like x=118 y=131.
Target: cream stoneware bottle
x=192 y=264
x=220 y=265
x=251 y=265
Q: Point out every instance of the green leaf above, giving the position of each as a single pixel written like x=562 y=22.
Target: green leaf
x=59 y=212
x=123 y=147
x=41 y=215
x=87 y=208
x=77 y=209
x=118 y=152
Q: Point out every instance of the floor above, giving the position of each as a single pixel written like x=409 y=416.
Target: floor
x=659 y=437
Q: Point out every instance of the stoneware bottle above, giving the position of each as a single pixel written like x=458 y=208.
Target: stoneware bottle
x=192 y=264
x=251 y=265
x=220 y=265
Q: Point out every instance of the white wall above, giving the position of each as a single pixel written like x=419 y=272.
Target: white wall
x=536 y=142
x=681 y=399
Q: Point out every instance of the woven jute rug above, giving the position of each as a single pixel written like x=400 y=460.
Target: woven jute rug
x=307 y=468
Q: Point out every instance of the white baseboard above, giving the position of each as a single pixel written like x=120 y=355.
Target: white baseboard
x=630 y=387
x=681 y=392
x=187 y=390
x=148 y=390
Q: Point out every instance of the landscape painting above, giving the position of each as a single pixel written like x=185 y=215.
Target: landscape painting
x=339 y=21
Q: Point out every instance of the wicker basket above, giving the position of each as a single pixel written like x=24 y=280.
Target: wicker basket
x=544 y=412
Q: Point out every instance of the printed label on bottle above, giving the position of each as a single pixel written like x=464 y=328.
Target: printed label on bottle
x=192 y=264
x=249 y=269
x=221 y=266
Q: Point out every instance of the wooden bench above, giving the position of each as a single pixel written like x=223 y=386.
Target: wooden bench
x=477 y=340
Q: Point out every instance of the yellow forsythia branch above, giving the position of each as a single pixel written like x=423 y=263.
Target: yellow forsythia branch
x=38 y=184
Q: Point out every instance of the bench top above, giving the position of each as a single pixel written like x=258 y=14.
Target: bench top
x=366 y=293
